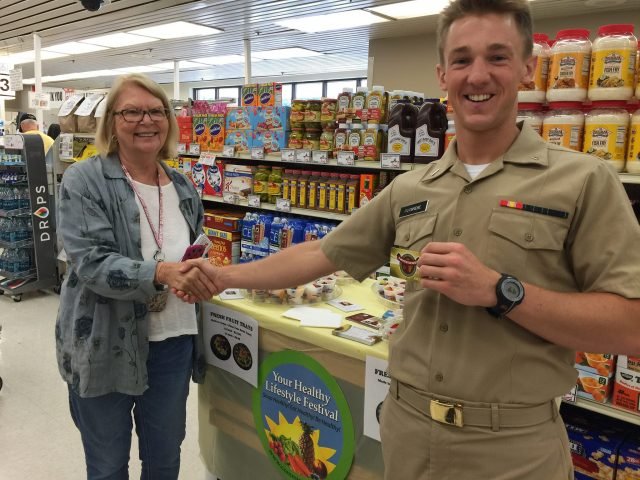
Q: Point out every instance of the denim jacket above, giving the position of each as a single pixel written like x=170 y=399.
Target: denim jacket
x=101 y=331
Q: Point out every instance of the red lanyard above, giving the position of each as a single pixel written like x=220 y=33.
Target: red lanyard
x=157 y=234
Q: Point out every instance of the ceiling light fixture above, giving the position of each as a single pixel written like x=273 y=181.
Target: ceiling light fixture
x=332 y=21
x=116 y=40
x=73 y=48
x=176 y=30
x=220 y=60
x=285 y=53
x=411 y=9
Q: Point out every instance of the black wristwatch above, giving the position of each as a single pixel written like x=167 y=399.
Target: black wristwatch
x=510 y=293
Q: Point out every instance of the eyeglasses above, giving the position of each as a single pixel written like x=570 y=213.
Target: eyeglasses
x=133 y=115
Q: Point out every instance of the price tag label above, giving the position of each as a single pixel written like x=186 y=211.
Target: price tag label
x=230 y=197
x=207 y=158
x=283 y=204
x=390 y=160
x=303 y=156
x=571 y=396
x=194 y=149
x=182 y=148
x=254 y=200
x=257 y=153
x=288 y=155
x=66 y=146
x=229 y=150
x=14 y=142
x=346 y=159
x=320 y=156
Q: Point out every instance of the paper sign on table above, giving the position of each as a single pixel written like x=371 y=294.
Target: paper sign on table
x=376 y=387
x=231 y=341
x=314 y=317
x=345 y=305
x=231 y=294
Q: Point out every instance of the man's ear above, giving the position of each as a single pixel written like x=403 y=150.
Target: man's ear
x=529 y=69
x=442 y=77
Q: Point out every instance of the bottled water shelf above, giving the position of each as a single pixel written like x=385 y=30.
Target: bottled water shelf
x=32 y=273
x=15 y=212
x=19 y=244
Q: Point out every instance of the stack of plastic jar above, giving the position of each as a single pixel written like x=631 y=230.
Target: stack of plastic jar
x=633 y=152
x=569 y=66
x=605 y=132
x=564 y=125
x=613 y=63
x=531 y=114
x=536 y=90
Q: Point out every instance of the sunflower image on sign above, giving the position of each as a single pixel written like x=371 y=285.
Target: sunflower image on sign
x=297 y=445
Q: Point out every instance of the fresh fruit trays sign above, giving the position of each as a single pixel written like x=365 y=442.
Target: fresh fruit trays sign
x=302 y=418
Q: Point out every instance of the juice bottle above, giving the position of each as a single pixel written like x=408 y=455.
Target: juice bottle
x=333 y=191
x=274 y=189
x=312 y=190
x=352 y=192
x=303 y=181
x=341 y=193
x=323 y=191
x=431 y=126
x=293 y=188
x=286 y=183
x=401 y=135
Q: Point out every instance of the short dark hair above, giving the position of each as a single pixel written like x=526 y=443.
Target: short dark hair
x=457 y=9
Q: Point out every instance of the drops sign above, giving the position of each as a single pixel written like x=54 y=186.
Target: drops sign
x=302 y=418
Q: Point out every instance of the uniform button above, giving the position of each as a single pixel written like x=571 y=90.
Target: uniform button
x=457 y=232
x=406 y=237
x=534 y=158
x=439 y=377
x=444 y=327
x=528 y=237
x=468 y=189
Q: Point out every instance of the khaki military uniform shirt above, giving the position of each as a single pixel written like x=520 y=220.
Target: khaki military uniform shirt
x=451 y=350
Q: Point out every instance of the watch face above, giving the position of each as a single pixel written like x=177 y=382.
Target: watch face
x=512 y=289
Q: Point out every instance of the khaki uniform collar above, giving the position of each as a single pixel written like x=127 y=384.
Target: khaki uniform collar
x=527 y=149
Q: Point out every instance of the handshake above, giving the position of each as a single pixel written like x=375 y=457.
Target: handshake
x=192 y=280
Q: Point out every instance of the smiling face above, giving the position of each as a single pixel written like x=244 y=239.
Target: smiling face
x=145 y=137
x=483 y=66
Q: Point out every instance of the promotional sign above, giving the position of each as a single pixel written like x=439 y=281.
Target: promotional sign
x=15 y=79
x=5 y=83
x=376 y=387
x=302 y=418
x=232 y=340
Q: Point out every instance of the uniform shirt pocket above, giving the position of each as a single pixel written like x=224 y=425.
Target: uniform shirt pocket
x=520 y=241
x=415 y=233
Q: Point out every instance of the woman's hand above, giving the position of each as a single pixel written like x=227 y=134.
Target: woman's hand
x=194 y=284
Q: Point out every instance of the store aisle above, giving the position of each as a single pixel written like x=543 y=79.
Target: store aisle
x=37 y=437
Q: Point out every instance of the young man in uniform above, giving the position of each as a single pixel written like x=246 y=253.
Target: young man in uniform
x=526 y=251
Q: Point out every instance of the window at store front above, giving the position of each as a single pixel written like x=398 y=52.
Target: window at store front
x=335 y=87
x=287 y=94
x=229 y=92
x=204 y=93
x=309 y=90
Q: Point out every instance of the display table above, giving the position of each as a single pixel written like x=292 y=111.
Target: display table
x=229 y=444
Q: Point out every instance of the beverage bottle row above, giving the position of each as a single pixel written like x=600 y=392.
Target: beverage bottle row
x=9 y=176
x=15 y=229
x=12 y=198
x=15 y=260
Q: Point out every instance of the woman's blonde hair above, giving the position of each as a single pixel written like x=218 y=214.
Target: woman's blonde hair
x=106 y=141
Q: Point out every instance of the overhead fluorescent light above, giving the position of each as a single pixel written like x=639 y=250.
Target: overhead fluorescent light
x=30 y=57
x=332 y=21
x=285 y=53
x=136 y=69
x=120 y=39
x=411 y=9
x=175 y=30
x=220 y=60
x=73 y=48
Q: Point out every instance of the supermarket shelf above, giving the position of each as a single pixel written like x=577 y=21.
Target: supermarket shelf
x=296 y=211
x=629 y=178
x=20 y=244
x=275 y=158
x=15 y=275
x=12 y=164
x=14 y=213
x=607 y=410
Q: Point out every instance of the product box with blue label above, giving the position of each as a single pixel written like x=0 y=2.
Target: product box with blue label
x=209 y=131
x=272 y=141
x=254 y=243
x=242 y=139
x=629 y=460
x=239 y=118
x=249 y=95
x=270 y=118
x=238 y=179
x=594 y=451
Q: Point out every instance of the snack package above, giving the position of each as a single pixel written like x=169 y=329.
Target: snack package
x=593 y=451
x=600 y=363
x=593 y=386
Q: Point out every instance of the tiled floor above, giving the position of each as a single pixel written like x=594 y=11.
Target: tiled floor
x=38 y=440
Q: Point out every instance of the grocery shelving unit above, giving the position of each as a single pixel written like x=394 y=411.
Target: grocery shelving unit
x=41 y=210
x=607 y=410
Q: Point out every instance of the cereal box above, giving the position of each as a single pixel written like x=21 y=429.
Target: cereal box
x=601 y=363
x=249 y=95
x=593 y=386
x=269 y=94
x=238 y=179
x=242 y=139
x=216 y=129
x=213 y=179
x=200 y=129
x=272 y=141
x=626 y=389
x=239 y=118
x=225 y=247
x=223 y=220
x=627 y=361
x=593 y=451
x=270 y=118
x=629 y=460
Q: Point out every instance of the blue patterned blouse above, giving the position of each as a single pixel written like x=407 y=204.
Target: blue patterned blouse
x=101 y=330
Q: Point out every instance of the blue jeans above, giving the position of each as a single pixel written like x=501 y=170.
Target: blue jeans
x=160 y=414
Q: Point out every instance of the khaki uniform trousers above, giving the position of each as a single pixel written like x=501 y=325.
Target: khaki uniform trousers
x=415 y=447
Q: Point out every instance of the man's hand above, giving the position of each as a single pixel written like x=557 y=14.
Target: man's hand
x=451 y=269
x=193 y=282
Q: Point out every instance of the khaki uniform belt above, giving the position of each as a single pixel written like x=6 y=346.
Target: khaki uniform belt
x=457 y=414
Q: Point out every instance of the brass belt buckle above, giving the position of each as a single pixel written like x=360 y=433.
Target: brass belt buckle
x=448 y=413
